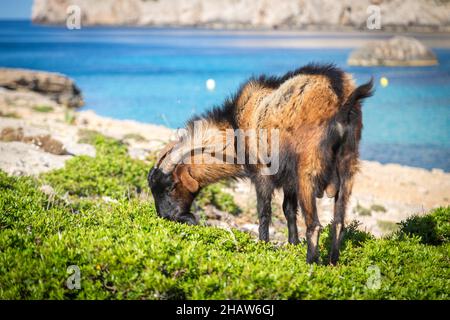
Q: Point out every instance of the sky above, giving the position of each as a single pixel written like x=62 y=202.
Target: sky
x=15 y=9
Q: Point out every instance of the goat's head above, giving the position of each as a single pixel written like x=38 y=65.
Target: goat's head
x=173 y=186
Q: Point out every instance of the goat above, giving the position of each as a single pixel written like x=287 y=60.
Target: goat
x=316 y=111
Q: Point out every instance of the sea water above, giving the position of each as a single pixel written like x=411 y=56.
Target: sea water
x=159 y=76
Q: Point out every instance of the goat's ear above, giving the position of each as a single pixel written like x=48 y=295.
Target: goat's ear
x=182 y=173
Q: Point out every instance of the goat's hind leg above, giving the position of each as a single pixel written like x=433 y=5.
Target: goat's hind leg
x=307 y=201
x=346 y=172
x=337 y=230
x=290 y=205
x=264 y=207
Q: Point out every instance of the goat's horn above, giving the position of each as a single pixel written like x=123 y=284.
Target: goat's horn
x=176 y=156
x=163 y=153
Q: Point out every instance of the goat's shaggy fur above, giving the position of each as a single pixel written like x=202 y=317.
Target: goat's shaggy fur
x=317 y=112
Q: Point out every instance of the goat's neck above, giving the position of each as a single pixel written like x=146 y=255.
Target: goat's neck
x=206 y=171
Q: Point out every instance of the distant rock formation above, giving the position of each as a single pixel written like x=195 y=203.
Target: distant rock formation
x=55 y=86
x=397 y=51
x=411 y=15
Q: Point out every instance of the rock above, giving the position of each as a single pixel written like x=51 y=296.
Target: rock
x=397 y=51
x=11 y=101
x=214 y=214
x=234 y=14
x=109 y=199
x=9 y=134
x=44 y=142
x=19 y=158
x=48 y=190
x=57 y=87
x=250 y=227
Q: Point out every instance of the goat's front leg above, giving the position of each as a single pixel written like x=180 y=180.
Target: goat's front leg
x=290 y=205
x=307 y=201
x=264 y=207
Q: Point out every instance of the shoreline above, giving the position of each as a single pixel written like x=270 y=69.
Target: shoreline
x=277 y=38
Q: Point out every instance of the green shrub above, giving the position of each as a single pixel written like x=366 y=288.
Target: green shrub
x=69 y=116
x=433 y=228
x=9 y=115
x=43 y=109
x=387 y=226
x=111 y=173
x=124 y=251
x=353 y=237
x=214 y=195
x=377 y=208
x=134 y=136
x=362 y=211
x=89 y=136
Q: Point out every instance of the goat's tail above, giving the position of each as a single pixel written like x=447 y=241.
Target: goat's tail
x=348 y=112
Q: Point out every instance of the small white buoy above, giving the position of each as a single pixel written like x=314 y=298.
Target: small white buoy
x=210 y=84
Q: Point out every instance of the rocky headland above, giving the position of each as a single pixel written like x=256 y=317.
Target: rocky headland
x=396 y=15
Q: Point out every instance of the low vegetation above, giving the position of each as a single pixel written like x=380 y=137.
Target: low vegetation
x=387 y=226
x=134 y=136
x=432 y=229
x=12 y=115
x=363 y=211
x=215 y=196
x=111 y=173
x=43 y=109
x=377 y=208
x=124 y=251
x=69 y=116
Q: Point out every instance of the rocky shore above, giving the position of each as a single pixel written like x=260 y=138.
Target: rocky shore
x=383 y=194
x=57 y=87
x=396 y=15
x=397 y=51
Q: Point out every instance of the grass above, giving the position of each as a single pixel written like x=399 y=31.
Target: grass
x=89 y=136
x=125 y=251
x=111 y=173
x=213 y=195
x=134 y=136
x=69 y=116
x=377 y=208
x=387 y=226
x=362 y=211
x=43 y=109
x=433 y=229
x=12 y=115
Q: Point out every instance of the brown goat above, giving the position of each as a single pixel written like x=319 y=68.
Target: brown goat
x=315 y=112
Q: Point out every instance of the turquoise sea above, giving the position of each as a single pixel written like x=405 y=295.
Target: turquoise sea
x=158 y=76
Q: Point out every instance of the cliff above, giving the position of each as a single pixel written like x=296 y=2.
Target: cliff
x=397 y=15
